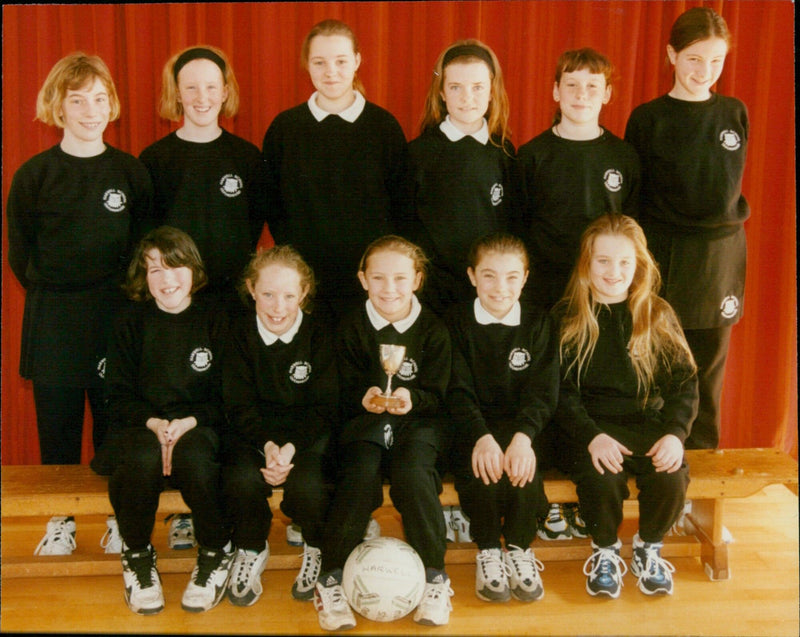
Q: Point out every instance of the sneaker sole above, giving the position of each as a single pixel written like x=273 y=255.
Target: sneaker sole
x=598 y=593
x=247 y=599
x=486 y=598
x=303 y=596
x=337 y=628
x=143 y=611
x=659 y=591
x=147 y=611
x=428 y=622
x=546 y=536
x=527 y=597
x=201 y=609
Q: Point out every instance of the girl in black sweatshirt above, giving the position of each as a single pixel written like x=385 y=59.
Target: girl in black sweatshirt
x=627 y=399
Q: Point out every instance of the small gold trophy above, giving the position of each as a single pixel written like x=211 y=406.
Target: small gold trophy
x=391 y=358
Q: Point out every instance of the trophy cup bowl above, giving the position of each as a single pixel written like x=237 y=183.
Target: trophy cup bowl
x=392 y=357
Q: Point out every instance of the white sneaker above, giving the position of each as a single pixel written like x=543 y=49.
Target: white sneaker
x=111 y=540
x=449 y=526
x=491 y=576
x=555 y=526
x=461 y=524
x=244 y=586
x=523 y=574
x=654 y=573
x=373 y=530
x=333 y=611
x=435 y=607
x=577 y=526
x=679 y=527
x=181 y=531
x=59 y=537
x=306 y=580
x=209 y=579
x=604 y=570
x=143 y=592
x=294 y=535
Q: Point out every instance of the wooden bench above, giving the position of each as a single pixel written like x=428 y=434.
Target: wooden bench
x=42 y=491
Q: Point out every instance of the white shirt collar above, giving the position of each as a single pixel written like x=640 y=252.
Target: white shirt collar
x=454 y=134
x=350 y=114
x=378 y=322
x=511 y=319
x=269 y=338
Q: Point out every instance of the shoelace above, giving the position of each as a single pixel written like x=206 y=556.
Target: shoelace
x=58 y=534
x=142 y=566
x=243 y=567
x=207 y=563
x=492 y=565
x=435 y=591
x=602 y=562
x=334 y=599
x=183 y=523
x=654 y=564
x=111 y=538
x=309 y=569
x=555 y=514
x=524 y=563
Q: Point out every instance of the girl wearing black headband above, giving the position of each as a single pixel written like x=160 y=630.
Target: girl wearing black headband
x=208 y=182
x=462 y=166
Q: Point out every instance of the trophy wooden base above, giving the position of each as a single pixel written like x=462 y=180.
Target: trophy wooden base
x=389 y=402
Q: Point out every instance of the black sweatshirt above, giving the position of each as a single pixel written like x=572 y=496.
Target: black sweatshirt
x=505 y=378
x=284 y=392
x=693 y=156
x=69 y=218
x=425 y=372
x=213 y=191
x=608 y=387
x=163 y=365
x=333 y=187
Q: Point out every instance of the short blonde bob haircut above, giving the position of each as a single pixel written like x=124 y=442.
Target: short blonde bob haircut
x=71 y=73
x=170 y=106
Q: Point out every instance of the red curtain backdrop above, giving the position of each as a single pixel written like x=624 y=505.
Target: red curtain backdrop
x=400 y=42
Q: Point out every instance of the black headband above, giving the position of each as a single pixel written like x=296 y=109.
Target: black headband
x=197 y=53
x=468 y=50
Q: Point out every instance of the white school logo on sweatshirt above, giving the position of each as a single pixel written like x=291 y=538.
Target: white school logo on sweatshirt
x=730 y=139
x=496 y=194
x=231 y=185
x=408 y=369
x=114 y=200
x=300 y=372
x=612 y=179
x=519 y=359
x=729 y=306
x=201 y=359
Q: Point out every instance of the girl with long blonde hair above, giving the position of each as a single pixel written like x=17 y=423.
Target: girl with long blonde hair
x=627 y=400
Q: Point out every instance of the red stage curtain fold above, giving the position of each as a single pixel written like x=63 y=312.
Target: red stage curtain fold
x=400 y=42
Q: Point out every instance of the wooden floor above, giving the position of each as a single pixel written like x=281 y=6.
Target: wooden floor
x=761 y=598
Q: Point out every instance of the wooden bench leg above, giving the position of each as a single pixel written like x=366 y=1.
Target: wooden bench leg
x=705 y=522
